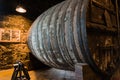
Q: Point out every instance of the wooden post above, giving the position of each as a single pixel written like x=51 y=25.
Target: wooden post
x=84 y=72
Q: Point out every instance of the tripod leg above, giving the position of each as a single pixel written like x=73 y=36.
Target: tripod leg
x=14 y=75
x=26 y=73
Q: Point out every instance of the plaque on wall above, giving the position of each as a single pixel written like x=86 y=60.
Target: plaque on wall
x=9 y=35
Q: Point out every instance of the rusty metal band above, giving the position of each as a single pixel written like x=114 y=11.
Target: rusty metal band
x=70 y=14
x=48 y=46
x=53 y=39
x=39 y=42
x=67 y=28
x=61 y=34
x=44 y=35
x=32 y=39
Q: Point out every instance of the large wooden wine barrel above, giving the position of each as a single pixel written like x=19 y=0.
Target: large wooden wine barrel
x=78 y=31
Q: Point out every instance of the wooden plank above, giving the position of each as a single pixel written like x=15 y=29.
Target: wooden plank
x=108 y=19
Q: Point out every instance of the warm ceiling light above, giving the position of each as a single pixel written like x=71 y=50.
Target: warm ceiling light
x=20 y=9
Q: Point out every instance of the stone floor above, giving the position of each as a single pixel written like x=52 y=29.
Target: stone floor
x=47 y=74
x=43 y=74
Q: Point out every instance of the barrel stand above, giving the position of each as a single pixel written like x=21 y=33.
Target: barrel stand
x=84 y=72
x=20 y=73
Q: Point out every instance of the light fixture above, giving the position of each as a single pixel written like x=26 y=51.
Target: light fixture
x=20 y=8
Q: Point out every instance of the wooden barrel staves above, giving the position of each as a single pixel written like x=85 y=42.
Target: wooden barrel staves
x=77 y=31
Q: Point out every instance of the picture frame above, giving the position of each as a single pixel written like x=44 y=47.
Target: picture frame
x=9 y=35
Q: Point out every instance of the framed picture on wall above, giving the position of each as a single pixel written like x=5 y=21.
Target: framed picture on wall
x=9 y=35
x=15 y=36
x=5 y=35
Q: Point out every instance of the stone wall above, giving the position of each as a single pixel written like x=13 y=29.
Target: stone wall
x=12 y=50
